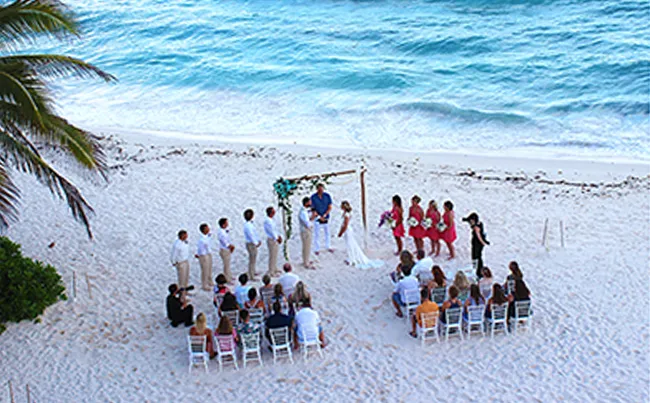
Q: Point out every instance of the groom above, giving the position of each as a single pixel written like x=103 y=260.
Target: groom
x=321 y=204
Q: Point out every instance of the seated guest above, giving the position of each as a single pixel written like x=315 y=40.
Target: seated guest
x=485 y=283
x=422 y=269
x=245 y=325
x=515 y=273
x=475 y=299
x=439 y=280
x=308 y=320
x=266 y=286
x=241 y=291
x=225 y=328
x=229 y=303
x=299 y=294
x=253 y=301
x=278 y=295
x=178 y=310
x=220 y=288
x=498 y=297
x=288 y=279
x=201 y=329
x=408 y=282
x=277 y=320
x=405 y=260
x=521 y=293
x=452 y=302
x=462 y=283
x=427 y=306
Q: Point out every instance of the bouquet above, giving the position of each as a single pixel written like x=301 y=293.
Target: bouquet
x=412 y=222
x=441 y=226
x=427 y=223
x=387 y=217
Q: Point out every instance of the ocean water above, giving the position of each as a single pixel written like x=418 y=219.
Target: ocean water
x=560 y=77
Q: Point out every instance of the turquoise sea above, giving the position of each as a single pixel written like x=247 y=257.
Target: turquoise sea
x=548 y=76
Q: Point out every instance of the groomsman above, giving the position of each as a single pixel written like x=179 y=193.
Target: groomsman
x=204 y=254
x=273 y=240
x=252 y=242
x=226 y=248
x=321 y=203
x=180 y=258
x=306 y=225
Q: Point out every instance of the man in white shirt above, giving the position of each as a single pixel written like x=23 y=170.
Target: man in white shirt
x=306 y=217
x=226 y=248
x=204 y=254
x=273 y=241
x=422 y=269
x=252 y=242
x=308 y=323
x=180 y=258
x=288 y=280
x=405 y=284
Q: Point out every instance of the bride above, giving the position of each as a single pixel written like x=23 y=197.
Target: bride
x=356 y=257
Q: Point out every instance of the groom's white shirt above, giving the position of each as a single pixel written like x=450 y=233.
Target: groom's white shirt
x=250 y=233
x=305 y=222
x=270 y=229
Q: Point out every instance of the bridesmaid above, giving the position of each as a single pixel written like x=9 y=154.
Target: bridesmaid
x=417 y=232
x=449 y=234
x=397 y=214
x=432 y=232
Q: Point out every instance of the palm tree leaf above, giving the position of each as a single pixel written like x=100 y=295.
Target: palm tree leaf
x=24 y=20
x=18 y=85
x=23 y=154
x=56 y=66
x=9 y=195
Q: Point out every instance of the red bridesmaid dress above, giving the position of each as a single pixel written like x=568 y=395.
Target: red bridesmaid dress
x=396 y=214
x=449 y=234
x=418 y=231
x=433 y=232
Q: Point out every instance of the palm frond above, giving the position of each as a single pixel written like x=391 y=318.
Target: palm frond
x=57 y=66
x=9 y=195
x=24 y=20
x=18 y=85
x=20 y=151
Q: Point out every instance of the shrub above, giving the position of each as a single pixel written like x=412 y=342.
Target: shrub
x=27 y=286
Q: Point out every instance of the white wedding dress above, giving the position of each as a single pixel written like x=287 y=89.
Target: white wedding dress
x=356 y=257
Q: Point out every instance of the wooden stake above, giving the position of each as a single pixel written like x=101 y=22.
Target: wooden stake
x=286 y=236
x=545 y=230
x=309 y=177
x=74 y=285
x=29 y=399
x=562 y=232
x=90 y=293
x=11 y=393
x=363 y=199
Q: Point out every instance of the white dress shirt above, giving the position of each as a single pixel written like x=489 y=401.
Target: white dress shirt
x=224 y=238
x=305 y=222
x=250 y=233
x=269 y=228
x=308 y=320
x=422 y=269
x=288 y=281
x=203 y=246
x=180 y=251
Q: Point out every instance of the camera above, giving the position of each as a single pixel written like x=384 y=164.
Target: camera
x=190 y=288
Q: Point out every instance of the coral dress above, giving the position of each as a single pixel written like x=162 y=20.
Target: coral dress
x=449 y=234
x=433 y=232
x=396 y=215
x=418 y=231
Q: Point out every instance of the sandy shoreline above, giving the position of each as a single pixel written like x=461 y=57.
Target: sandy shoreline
x=591 y=335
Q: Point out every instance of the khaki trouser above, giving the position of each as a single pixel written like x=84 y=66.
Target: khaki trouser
x=225 y=257
x=183 y=269
x=252 y=259
x=305 y=236
x=206 y=271
x=273 y=256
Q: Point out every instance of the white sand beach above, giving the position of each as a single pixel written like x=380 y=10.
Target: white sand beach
x=591 y=334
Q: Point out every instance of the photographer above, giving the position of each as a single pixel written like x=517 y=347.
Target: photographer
x=478 y=242
x=178 y=310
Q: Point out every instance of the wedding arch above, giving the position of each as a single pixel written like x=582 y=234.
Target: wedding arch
x=285 y=188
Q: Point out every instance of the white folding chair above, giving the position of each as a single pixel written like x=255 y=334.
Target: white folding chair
x=498 y=319
x=198 y=354
x=267 y=295
x=251 y=350
x=233 y=316
x=438 y=295
x=475 y=318
x=309 y=341
x=486 y=290
x=256 y=316
x=453 y=321
x=281 y=343
x=429 y=328
x=510 y=284
x=523 y=315
x=411 y=300
x=226 y=348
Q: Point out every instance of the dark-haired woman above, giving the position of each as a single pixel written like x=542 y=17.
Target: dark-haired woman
x=405 y=260
x=397 y=214
x=498 y=297
x=515 y=273
x=452 y=302
x=432 y=232
x=521 y=293
x=416 y=216
x=475 y=299
x=449 y=233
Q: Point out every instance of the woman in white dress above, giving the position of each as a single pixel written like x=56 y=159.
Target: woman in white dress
x=356 y=257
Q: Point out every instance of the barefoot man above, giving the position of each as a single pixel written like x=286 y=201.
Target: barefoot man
x=321 y=202
x=252 y=242
x=226 y=248
x=180 y=258
x=204 y=254
x=306 y=225
x=273 y=240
